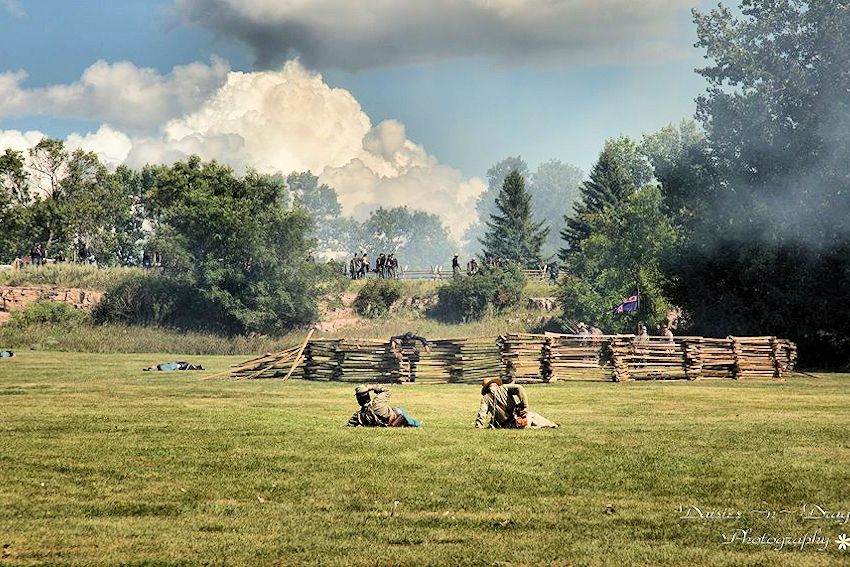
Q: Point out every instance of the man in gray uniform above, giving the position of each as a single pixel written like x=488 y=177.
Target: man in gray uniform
x=377 y=412
x=506 y=406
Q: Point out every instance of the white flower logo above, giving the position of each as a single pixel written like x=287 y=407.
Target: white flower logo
x=843 y=541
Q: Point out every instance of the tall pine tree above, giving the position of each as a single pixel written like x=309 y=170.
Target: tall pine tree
x=511 y=232
x=620 y=170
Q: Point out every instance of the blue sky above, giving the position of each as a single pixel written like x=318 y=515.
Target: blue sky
x=469 y=113
x=462 y=84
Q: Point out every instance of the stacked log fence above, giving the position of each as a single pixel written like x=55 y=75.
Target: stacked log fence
x=532 y=358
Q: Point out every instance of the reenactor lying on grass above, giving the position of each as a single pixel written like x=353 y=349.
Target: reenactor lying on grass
x=170 y=366
x=506 y=406
x=377 y=412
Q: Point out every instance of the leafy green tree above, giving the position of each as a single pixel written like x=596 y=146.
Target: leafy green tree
x=243 y=251
x=14 y=179
x=14 y=198
x=418 y=239
x=334 y=233
x=620 y=170
x=99 y=209
x=49 y=164
x=511 y=232
x=682 y=163
x=119 y=236
x=70 y=199
x=625 y=250
x=768 y=251
x=319 y=200
x=554 y=187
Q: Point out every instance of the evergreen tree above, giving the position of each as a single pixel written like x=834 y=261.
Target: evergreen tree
x=620 y=170
x=486 y=203
x=511 y=232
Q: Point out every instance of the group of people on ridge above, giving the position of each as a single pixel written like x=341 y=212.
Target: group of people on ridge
x=38 y=255
x=386 y=266
x=502 y=406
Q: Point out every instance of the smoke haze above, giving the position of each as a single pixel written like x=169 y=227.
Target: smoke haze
x=356 y=35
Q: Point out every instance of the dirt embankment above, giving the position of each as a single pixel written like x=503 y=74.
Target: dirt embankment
x=337 y=311
x=15 y=298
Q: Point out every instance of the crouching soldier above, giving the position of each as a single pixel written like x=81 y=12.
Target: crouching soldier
x=377 y=412
x=506 y=406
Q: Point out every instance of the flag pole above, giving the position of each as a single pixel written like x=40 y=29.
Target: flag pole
x=637 y=286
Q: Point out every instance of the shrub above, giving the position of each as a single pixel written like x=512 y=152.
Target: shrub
x=376 y=297
x=153 y=299
x=45 y=312
x=466 y=298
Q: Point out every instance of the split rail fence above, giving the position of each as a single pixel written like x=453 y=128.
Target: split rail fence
x=528 y=358
x=442 y=273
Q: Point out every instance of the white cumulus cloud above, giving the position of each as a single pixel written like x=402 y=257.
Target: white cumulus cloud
x=283 y=121
x=357 y=35
x=13 y=7
x=119 y=93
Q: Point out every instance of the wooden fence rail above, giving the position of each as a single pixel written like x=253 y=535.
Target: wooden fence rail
x=445 y=273
x=531 y=358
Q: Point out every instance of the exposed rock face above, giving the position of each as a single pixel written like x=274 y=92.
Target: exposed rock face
x=15 y=298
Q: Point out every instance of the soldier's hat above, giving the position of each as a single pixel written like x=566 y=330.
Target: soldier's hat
x=362 y=395
x=485 y=384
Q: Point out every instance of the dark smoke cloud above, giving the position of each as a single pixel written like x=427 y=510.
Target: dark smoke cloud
x=358 y=35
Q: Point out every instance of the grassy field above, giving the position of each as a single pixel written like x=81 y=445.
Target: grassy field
x=69 y=275
x=103 y=464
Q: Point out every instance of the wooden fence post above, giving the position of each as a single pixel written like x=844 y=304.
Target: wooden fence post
x=620 y=347
x=693 y=358
x=736 y=357
x=775 y=357
x=546 y=372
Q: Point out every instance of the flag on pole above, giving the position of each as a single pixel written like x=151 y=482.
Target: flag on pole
x=628 y=305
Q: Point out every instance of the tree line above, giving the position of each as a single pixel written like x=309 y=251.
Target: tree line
x=63 y=200
x=737 y=220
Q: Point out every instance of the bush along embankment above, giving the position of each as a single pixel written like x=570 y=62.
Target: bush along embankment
x=492 y=291
x=376 y=297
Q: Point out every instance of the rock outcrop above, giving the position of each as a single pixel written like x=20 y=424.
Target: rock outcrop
x=15 y=298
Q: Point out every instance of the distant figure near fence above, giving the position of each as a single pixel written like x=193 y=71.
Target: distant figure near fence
x=37 y=254
x=407 y=352
x=553 y=273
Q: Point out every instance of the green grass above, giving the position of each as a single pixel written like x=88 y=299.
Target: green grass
x=68 y=275
x=401 y=322
x=103 y=464
x=117 y=338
